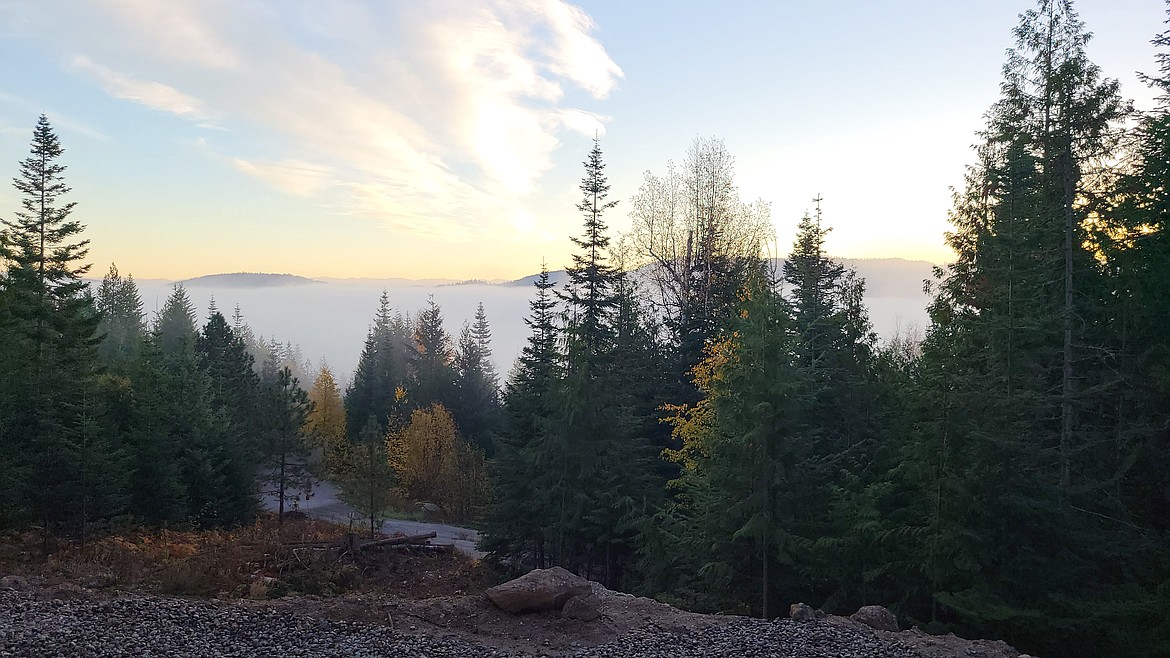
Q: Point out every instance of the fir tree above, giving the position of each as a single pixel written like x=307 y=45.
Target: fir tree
x=289 y=471
x=515 y=526
x=1015 y=356
x=367 y=482
x=186 y=429
x=49 y=313
x=234 y=395
x=381 y=371
x=743 y=447
x=589 y=293
x=476 y=400
x=174 y=329
x=434 y=372
x=123 y=323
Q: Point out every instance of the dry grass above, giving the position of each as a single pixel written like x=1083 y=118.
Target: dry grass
x=250 y=562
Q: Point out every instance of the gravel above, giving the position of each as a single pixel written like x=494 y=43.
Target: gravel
x=750 y=638
x=136 y=625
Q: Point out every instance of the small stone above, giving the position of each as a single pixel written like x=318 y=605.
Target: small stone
x=802 y=612
x=15 y=583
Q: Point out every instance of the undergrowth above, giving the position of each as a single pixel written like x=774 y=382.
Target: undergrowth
x=247 y=562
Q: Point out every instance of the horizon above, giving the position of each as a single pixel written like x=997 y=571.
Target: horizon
x=328 y=320
x=404 y=141
x=443 y=280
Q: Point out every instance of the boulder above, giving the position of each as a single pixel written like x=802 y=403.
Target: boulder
x=429 y=509
x=802 y=612
x=99 y=581
x=17 y=583
x=875 y=616
x=583 y=608
x=539 y=589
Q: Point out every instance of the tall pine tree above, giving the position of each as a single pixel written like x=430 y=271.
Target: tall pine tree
x=49 y=312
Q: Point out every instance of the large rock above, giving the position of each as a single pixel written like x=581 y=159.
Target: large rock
x=539 y=589
x=877 y=617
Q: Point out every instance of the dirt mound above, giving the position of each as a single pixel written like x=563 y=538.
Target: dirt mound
x=474 y=617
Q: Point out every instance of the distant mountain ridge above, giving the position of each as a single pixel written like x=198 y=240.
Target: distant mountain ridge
x=329 y=318
x=884 y=277
x=248 y=280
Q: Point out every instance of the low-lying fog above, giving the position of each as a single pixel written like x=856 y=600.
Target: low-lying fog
x=329 y=319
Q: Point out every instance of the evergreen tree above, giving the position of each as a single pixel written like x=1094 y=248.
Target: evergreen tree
x=476 y=401
x=482 y=333
x=235 y=396
x=814 y=279
x=843 y=418
x=123 y=322
x=434 y=372
x=587 y=447
x=381 y=371
x=367 y=482
x=576 y=455
x=1133 y=247
x=589 y=293
x=638 y=380
x=186 y=430
x=174 y=329
x=288 y=468
x=1135 y=244
x=515 y=525
x=743 y=491
x=49 y=312
x=1018 y=456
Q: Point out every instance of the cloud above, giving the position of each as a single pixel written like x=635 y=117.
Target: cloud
x=437 y=118
x=151 y=94
x=582 y=122
x=573 y=52
x=294 y=177
x=185 y=31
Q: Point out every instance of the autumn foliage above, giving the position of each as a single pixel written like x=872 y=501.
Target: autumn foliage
x=434 y=464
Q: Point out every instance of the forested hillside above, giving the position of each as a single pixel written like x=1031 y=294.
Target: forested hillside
x=722 y=431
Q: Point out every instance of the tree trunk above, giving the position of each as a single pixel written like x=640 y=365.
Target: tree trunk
x=1066 y=383
x=280 y=493
x=764 y=584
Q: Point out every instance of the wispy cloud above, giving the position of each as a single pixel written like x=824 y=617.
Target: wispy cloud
x=149 y=93
x=437 y=118
x=294 y=177
x=185 y=31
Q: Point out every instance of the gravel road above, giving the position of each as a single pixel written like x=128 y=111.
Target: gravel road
x=327 y=506
x=156 y=626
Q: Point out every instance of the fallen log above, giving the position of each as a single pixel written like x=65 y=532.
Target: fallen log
x=396 y=541
x=426 y=548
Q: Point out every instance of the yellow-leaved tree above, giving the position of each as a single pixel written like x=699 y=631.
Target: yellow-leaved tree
x=325 y=425
x=433 y=464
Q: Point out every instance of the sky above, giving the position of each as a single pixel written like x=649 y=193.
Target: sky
x=444 y=139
